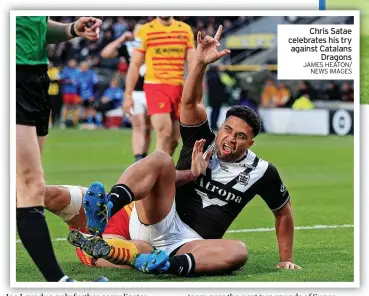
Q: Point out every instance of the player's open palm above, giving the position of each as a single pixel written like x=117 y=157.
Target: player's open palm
x=206 y=51
x=199 y=160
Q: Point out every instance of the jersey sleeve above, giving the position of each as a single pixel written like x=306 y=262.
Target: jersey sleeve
x=191 y=39
x=190 y=134
x=141 y=40
x=272 y=190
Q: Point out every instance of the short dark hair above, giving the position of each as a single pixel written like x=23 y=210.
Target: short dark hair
x=248 y=115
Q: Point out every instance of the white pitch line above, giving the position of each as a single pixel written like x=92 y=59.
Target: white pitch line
x=258 y=230
x=296 y=228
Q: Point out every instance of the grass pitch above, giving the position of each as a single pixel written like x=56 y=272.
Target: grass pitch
x=318 y=172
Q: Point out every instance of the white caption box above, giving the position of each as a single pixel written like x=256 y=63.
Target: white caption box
x=323 y=52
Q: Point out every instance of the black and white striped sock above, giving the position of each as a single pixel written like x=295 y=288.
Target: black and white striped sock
x=183 y=265
x=120 y=195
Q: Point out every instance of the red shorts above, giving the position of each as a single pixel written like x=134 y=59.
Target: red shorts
x=118 y=225
x=163 y=98
x=70 y=99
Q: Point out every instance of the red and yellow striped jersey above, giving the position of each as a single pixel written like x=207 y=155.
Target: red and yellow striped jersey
x=165 y=49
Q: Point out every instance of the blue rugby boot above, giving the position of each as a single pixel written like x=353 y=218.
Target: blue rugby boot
x=156 y=262
x=97 y=208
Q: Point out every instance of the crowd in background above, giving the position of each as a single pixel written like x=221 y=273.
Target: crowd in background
x=80 y=58
x=277 y=94
x=113 y=27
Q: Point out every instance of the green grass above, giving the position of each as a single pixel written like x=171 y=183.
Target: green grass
x=317 y=170
x=362 y=5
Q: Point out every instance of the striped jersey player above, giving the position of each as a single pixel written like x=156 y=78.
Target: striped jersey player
x=165 y=45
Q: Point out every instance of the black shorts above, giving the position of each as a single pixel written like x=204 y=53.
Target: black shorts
x=87 y=104
x=33 y=102
x=104 y=107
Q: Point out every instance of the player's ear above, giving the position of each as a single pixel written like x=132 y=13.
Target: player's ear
x=251 y=143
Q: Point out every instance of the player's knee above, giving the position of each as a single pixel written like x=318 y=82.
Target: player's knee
x=164 y=132
x=162 y=159
x=238 y=255
x=51 y=198
x=33 y=188
x=35 y=182
x=136 y=124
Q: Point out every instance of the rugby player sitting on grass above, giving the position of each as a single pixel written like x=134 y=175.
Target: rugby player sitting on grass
x=189 y=223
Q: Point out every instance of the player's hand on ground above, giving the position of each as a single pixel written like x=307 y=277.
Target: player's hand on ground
x=206 y=52
x=288 y=265
x=128 y=104
x=88 y=27
x=199 y=160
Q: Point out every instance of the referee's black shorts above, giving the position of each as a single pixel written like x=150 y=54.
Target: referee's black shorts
x=33 y=102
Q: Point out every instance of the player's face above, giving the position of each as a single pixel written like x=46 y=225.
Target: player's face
x=234 y=138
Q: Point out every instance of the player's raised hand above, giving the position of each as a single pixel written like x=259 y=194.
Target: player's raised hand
x=88 y=27
x=199 y=160
x=288 y=265
x=206 y=51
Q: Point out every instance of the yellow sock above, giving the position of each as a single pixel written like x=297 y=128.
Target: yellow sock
x=122 y=251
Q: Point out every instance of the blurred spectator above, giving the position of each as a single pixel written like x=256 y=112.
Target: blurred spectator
x=347 y=92
x=114 y=27
x=229 y=80
x=56 y=101
x=107 y=23
x=283 y=95
x=120 y=27
x=227 y=24
x=111 y=99
x=69 y=79
x=304 y=88
x=107 y=38
x=87 y=83
x=303 y=103
x=122 y=67
x=246 y=100
x=332 y=93
x=268 y=94
x=217 y=94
